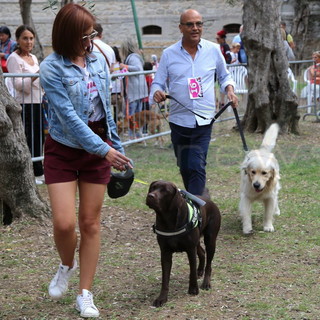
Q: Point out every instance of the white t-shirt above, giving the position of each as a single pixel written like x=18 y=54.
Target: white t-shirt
x=106 y=49
x=96 y=111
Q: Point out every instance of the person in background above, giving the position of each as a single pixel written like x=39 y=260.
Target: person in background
x=314 y=73
x=288 y=36
x=117 y=88
x=136 y=87
x=287 y=48
x=224 y=47
x=188 y=68
x=149 y=78
x=234 y=51
x=154 y=62
x=81 y=147
x=242 y=53
x=104 y=48
x=225 y=50
x=27 y=91
x=314 y=70
x=7 y=46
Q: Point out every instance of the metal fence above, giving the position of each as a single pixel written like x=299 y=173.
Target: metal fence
x=153 y=124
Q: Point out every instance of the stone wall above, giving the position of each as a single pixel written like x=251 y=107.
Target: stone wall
x=117 y=20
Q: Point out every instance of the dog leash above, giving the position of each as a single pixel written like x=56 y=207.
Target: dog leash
x=217 y=115
x=184 y=193
x=245 y=147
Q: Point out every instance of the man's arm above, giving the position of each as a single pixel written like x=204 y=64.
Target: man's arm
x=158 y=87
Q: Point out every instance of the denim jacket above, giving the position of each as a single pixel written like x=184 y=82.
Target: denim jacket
x=68 y=103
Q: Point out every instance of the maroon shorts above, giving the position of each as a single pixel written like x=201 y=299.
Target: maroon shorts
x=64 y=164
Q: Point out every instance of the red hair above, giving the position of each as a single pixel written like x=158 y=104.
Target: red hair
x=68 y=28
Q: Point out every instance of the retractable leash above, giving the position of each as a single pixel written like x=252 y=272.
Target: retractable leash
x=217 y=115
x=245 y=147
x=192 y=197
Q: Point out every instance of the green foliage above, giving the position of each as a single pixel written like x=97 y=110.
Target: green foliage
x=53 y=5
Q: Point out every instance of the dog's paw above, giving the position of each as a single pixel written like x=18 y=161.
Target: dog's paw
x=277 y=212
x=193 y=291
x=206 y=285
x=200 y=273
x=160 y=301
x=247 y=231
x=268 y=228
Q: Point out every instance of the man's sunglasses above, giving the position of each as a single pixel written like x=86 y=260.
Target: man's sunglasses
x=198 y=24
x=90 y=36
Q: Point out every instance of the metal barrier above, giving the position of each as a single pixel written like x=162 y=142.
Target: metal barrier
x=307 y=94
x=34 y=118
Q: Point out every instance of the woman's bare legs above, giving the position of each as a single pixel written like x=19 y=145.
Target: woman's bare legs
x=63 y=205
x=91 y=200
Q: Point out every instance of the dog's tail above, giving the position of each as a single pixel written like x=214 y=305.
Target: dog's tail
x=270 y=137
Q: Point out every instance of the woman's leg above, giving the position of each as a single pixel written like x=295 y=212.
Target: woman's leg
x=91 y=200
x=63 y=202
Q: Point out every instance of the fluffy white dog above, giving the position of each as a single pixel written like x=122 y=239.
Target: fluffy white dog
x=260 y=182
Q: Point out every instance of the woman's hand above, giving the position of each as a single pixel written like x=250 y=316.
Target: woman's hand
x=118 y=160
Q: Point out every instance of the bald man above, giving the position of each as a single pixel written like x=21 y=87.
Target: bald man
x=187 y=71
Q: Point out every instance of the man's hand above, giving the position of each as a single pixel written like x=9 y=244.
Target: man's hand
x=159 y=96
x=231 y=96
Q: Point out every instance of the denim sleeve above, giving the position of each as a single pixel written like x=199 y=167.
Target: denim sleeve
x=116 y=142
x=64 y=120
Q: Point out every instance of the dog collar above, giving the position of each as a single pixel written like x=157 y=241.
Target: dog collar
x=194 y=220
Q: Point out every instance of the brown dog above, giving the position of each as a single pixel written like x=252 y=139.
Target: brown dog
x=176 y=232
x=140 y=119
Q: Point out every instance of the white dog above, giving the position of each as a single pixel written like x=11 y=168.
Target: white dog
x=260 y=182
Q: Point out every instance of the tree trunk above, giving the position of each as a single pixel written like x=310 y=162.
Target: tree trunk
x=270 y=97
x=305 y=26
x=25 y=9
x=17 y=183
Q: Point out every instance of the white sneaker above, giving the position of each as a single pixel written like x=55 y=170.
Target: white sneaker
x=39 y=182
x=86 y=306
x=41 y=178
x=59 y=284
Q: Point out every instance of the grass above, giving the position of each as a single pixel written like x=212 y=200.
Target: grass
x=266 y=276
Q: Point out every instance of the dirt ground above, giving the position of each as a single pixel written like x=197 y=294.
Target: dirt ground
x=265 y=276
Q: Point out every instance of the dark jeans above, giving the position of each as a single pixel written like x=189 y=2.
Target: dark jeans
x=32 y=118
x=191 y=148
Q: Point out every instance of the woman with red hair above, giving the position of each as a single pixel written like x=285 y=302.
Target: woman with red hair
x=80 y=148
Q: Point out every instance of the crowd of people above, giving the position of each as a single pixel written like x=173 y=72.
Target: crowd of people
x=82 y=144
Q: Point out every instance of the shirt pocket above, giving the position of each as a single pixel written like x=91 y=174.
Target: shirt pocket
x=104 y=83
x=74 y=90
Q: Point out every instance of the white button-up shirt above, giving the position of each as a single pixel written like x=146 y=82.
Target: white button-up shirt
x=177 y=66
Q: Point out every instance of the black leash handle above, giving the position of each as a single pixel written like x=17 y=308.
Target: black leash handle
x=217 y=115
x=221 y=111
x=245 y=147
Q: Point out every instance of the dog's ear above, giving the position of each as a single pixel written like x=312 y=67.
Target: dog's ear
x=179 y=205
x=274 y=175
x=176 y=198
